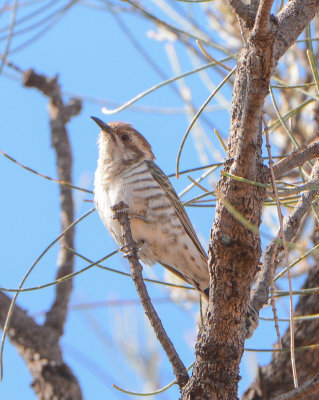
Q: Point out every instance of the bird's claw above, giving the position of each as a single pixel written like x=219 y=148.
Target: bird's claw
x=141 y=245
x=125 y=250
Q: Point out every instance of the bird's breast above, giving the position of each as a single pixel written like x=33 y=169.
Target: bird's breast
x=135 y=186
x=156 y=226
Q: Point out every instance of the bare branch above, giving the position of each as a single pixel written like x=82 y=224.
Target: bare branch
x=259 y=296
x=121 y=214
x=60 y=114
x=261 y=26
x=307 y=389
x=296 y=159
x=24 y=332
x=39 y=345
x=42 y=354
x=292 y=20
x=282 y=234
x=243 y=11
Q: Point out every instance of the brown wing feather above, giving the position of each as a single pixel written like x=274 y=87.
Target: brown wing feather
x=162 y=179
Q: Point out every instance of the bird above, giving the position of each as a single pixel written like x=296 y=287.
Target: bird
x=160 y=226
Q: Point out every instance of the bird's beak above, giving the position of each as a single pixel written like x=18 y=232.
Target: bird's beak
x=105 y=127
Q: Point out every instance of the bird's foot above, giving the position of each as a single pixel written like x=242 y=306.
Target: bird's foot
x=141 y=245
x=131 y=215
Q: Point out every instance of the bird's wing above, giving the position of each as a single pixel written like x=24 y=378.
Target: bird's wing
x=195 y=285
x=164 y=182
x=176 y=272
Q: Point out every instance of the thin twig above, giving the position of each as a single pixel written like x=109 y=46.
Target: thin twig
x=155 y=87
x=68 y=184
x=10 y=35
x=280 y=216
x=203 y=106
x=121 y=214
x=273 y=301
x=211 y=58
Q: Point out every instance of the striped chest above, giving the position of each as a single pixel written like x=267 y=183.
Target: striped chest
x=147 y=202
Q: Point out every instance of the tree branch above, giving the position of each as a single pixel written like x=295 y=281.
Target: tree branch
x=243 y=11
x=262 y=26
x=39 y=345
x=52 y=378
x=121 y=214
x=259 y=296
x=60 y=114
x=292 y=20
x=234 y=249
x=296 y=159
x=303 y=392
x=274 y=379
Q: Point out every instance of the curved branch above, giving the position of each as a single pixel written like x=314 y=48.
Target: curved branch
x=121 y=214
x=60 y=115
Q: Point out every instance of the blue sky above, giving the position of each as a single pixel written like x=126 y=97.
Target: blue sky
x=93 y=57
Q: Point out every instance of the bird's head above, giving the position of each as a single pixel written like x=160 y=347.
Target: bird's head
x=119 y=141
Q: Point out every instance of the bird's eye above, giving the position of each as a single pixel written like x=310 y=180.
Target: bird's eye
x=125 y=138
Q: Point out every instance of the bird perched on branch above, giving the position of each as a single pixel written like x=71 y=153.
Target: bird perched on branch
x=160 y=226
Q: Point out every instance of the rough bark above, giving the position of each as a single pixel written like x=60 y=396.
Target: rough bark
x=276 y=378
x=274 y=381
x=40 y=349
x=234 y=247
